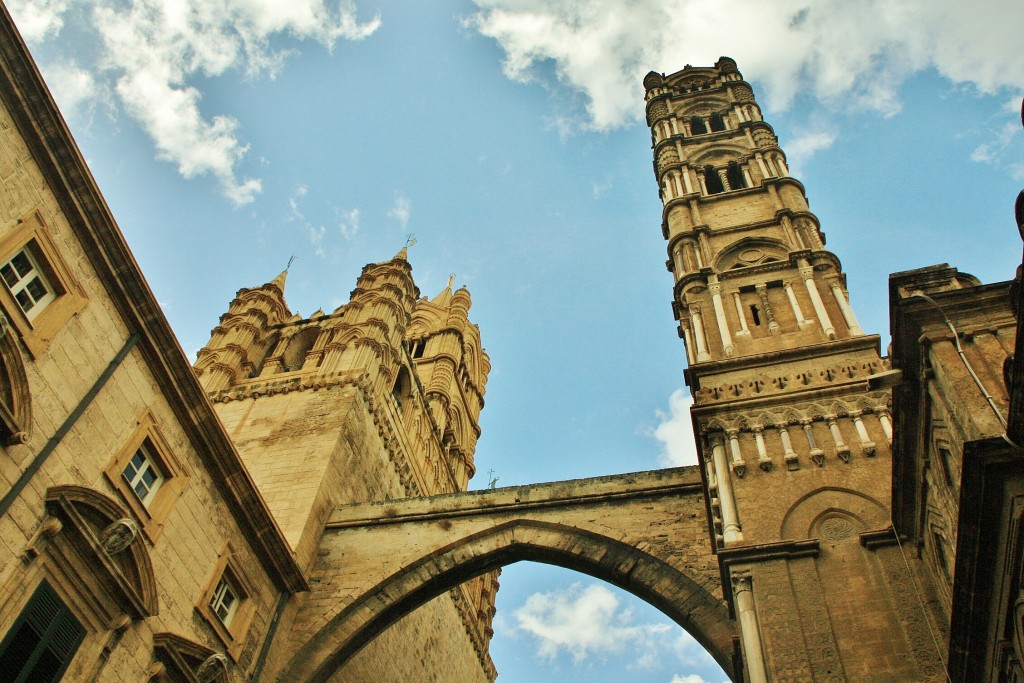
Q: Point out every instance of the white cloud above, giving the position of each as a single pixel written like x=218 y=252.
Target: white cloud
x=150 y=49
x=675 y=432
x=585 y=622
x=401 y=210
x=348 y=223
x=692 y=678
x=846 y=54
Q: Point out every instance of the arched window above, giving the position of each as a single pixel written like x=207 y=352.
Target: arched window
x=697 y=125
x=713 y=181
x=299 y=346
x=717 y=122
x=735 y=176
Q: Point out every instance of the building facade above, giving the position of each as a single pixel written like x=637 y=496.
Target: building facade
x=162 y=521
x=294 y=505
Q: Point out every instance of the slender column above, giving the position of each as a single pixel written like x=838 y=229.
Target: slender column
x=867 y=446
x=795 y=305
x=698 y=334
x=817 y=455
x=763 y=461
x=760 y=164
x=738 y=466
x=844 y=308
x=731 y=531
x=807 y=273
x=750 y=633
x=688 y=343
x=686 y=180
x=744 y=330
x=782 y=164
x=723 y=324
x=762 y=291
x=883 y=417
x=790 y=456
x=842 y=450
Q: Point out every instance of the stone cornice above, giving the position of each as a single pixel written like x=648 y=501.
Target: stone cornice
x=53 y=149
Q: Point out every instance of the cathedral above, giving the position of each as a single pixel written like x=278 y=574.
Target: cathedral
x=293 y=505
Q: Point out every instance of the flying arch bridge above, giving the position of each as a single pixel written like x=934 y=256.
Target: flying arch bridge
x=645 y=532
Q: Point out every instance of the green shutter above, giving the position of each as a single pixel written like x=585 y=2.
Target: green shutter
x=42 y=641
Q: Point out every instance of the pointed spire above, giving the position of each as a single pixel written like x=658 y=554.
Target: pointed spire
x=280 y=279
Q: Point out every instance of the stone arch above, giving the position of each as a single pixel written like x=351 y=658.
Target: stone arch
x=127 y=573
x=650 y=578
x=15 y=398
x=736 y=254
x=806 y=514
x=299 y=345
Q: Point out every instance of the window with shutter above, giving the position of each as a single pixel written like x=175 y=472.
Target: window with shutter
x=42 y=641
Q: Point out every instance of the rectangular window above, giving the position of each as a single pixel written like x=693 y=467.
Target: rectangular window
x=224 y=601
x=38 y=292
x=42 y=641
x=26 y=282
x=143 y=475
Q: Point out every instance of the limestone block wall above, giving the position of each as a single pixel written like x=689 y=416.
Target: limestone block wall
x=185 y=546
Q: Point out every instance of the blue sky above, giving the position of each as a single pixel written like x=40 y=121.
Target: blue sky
x=507 y=135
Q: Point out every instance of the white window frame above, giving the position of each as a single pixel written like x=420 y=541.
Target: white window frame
x=22 y=281
x=137 y=476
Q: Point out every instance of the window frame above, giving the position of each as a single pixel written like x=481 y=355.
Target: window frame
x=152 y=513
x=32 y=235
x=232 y=631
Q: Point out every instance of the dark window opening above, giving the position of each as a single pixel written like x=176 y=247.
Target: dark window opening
x=713 y=181
x=697 y=126
x=755 y=314
x=42 y=641
x=717 y=122
x=735 y=176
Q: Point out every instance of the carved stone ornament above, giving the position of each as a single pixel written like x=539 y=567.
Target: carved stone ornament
x=836 y=529
x=119 y=535
x=212 y=667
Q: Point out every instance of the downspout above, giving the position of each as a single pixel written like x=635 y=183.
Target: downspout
x=51 y=445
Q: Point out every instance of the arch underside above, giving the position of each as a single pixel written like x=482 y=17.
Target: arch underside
x=655 y=581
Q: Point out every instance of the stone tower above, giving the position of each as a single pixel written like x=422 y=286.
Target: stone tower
x=790 y=405
x=378 y=400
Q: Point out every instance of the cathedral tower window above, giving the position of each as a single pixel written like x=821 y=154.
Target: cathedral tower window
x=734 y=174
x=713 y=181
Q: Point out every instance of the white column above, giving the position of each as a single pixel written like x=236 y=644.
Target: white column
x=723 y=324
x=760 y=164
x=817 y=455
x=686 y=180
x=688 y=343
x=807 y=273
x=763 y=461
x=844 y=308
x=744 y=330
x=790 y=456
x=731 y=531
x=842 y=450
x=883 y=417
x=795 y=305
x=698 y=334
x=867 y=446
x=750 y=633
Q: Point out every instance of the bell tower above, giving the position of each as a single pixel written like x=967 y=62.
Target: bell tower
x=791 y=408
